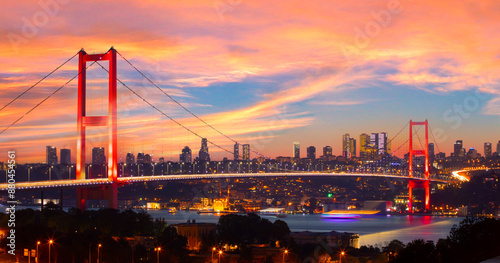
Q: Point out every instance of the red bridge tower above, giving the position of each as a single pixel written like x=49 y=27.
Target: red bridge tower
x=107 y=192
x=425 y=152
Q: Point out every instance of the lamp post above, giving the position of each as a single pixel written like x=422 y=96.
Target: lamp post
x=284 y=253
x=342 y=253
x=213 y=250
x=99 y=253
x=158 y=249
x=37 y=244
x=220 y=254
x=29 y=170
x=50 y=244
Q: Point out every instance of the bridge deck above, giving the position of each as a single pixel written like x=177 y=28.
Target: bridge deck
x=127 y=180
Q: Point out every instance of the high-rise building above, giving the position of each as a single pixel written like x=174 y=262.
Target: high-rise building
x=364 y=143
x=311 y=152
x=498 y=147
x=431 y=150
x=161 y=160
x=327 y=151
x=98 y=156
x=382 y=143
x=472 y=153
x=147 y=158
x=140 y=157
x=203 y=154
x=296 y=150
x=246 y=152
x=130 y=159
x=379 y=142
x=458 y=148
x=487 y=149
x=65 y=156
x=236 y=151
x=186 y=155
x=346 y=145
x=51 y=155
x=352 y=147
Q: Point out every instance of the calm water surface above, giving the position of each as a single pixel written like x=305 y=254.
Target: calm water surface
x=374 y=230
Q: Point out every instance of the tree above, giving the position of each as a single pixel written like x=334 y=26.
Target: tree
x=418 y=251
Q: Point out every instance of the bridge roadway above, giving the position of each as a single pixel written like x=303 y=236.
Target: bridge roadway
x=85 y=183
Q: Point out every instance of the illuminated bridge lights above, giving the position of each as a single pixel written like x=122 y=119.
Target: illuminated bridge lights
x=126 y=180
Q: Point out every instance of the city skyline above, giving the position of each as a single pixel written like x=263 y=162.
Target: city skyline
x=324 y=71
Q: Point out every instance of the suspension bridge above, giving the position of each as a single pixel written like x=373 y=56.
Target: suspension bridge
x=413 y=165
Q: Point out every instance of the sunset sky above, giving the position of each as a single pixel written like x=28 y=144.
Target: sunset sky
x=264 y=73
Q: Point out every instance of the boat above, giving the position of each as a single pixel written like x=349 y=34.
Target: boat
x=342 y=214
x=277 y=212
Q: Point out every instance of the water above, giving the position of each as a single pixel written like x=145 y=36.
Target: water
x=375 y=230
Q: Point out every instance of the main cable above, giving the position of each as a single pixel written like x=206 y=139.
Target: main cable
x=46 y=76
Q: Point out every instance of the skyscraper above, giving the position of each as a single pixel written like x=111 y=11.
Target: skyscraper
x=203 y=154
x=140 y=157
x=364 y=142
x=65 y=156
x=311 y=152
x=458 y=148
x=186 y=155
x=346 y=145
x=352 y=147
x=236 y=151
x=379 y=142
x=327 y=151
x=130 y=159
x=431 y=150
x=246 y=152
x=487 y=149
x=51 y=155
x=296 y=150
x=98 y=156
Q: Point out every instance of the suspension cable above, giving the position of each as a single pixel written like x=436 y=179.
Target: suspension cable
x=46 y=98
x=182 y=106
x=46 y=76
x=434 y=139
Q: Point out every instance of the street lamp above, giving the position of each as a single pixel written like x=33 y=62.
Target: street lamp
x=158 y=249
x=220 y=254
x=213 y=250
x=37 y=244
x=342 y=253
x=284 y=253
x=98 y=253
x=50 y=244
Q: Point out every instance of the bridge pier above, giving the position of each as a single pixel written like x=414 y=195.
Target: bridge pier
x=107 y=192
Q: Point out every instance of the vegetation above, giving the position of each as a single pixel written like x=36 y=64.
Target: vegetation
x=76 y=235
